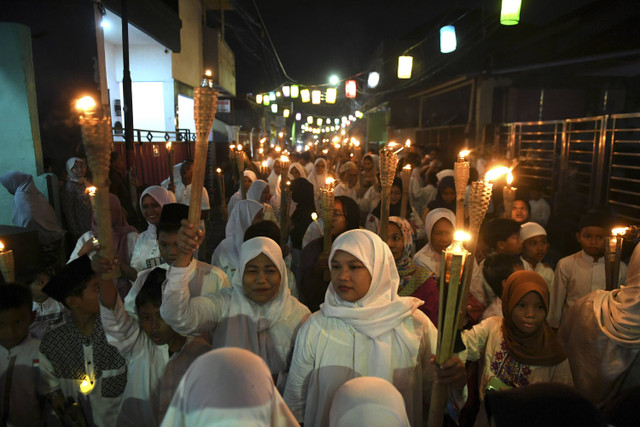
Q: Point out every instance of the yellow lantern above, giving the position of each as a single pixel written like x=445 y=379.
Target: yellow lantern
x=331 y=95
x=295 y=90
x=510 y=12
x=316 y=97
x=305 y=95
x=405 y=63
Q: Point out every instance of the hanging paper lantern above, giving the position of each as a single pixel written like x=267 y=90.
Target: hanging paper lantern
x=298 y=116
x=286 y=112
x=286 y=91
x=310 y=120
x=331 y=95
x=373 y=80
x=336 y=121
x=295 y=90
x=448 y=42
x=274 y=108
x=350 y=88
x=405 y=63
x=272 y=96
x=305 y=95
x=259 y=98
x=265 y=99
x=359 y=115
x=510 y=12
x=316 y=97
x=319 y=121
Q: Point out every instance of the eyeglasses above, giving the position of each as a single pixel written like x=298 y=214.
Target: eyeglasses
x=338 y=214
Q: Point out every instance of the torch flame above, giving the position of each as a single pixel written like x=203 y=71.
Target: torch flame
x=509 y=178
x=232 y=147
x=355 y=142
x=239 y=147
x=91 y=191
x=278 y=149
x=329 y=181
x=408 y=143
x=168 y=145
x=265 y=164
x=85 y=104
x=619 y=231
x=219 y=170
x=208 y=73
x=407 y=167
x=461 y=236
x=496 y=172
x=284 y=159
x=464 y=153
x=1 y=246
x=314 y=216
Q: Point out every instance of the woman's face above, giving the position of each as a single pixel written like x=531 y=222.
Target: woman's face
x=276 y=167
x=266 y=194
x=395 y=240
x=395 y=196
x=320 y=168
x=261 y=279
x=259 y=217
x=79 y=169
x=441 y=235
x=151 y=209
x=349 y=277
x=448 y=195
x=339 y=224
x=519 y=211
x=350 y=177
x=367 y=164
x=246 y=181
x=295 y=173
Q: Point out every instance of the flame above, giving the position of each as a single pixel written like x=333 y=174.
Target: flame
x=314 y=216
x=219 y=170
x=278 y=149
x=260 y=151
x=86 y=104
x=408 y=143
x=263 y=140
x=461 y=236
x=208 y=73
x=265 y=164
x=496 y=172
x=168 y=145
x=284 y=159
x=392 y=144
x=509 y=178
x=325 y=151
x=281 y=134
x=335 y=139
x=619 y=231
x=329 y=181
x=91 y=191
x=464 y=153
x=1 y=246
x=239 y=147
x=407 y=167
x=232 y=147
x=355 y=142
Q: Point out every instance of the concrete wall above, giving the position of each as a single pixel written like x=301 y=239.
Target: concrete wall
x=20 y=140
x=188 y=65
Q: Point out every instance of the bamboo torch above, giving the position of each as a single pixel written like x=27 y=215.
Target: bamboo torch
x=388 y=164
x=96 y=138
x=7 y=264
x=453 y=270
x=205 y=103
x=461 y=177
x=406 y=180
x=223 y=198
x=612 y=256
x=508 y=195
x=285 y=203
x=240 y=166
x=327 y=200
x=170 y=160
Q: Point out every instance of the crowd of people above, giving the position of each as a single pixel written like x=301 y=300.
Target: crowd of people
x=268 y=328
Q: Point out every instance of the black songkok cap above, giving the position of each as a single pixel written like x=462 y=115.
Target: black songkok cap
x=173 y=213
x=69 y=279
x=595 y=218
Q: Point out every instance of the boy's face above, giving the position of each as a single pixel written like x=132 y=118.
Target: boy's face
x=535 y=248
x=592 y=240
x=88 y=300
x=519 y=211
x=168 y=246
x=14 y=325
x=153 y=325
x=511 y=246
x=37 y=285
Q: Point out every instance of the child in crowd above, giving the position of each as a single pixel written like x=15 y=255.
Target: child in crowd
x=520 y=210
x=228 y=387
x=49 y=313
x=534 y=250
x=19 y=359
x=365 y=329
x=540 y=209
x=496 y=269
x=501 y=235
x=156 y=355
x=258 y=313
x=76 y=361
x=439 y=227
x=583 y=272
x=202 y=277
x=520 y=348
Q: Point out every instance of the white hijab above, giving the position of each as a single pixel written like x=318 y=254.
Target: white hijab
x=240 y=218
x=248 y=323
x=237 y=196
x=434 y=216
x=380 y=313
x=70 y=175
x=618 y=312
x=160 y=195
x=368 y=401
x=228 y=387
x=300 y=168
x=274 y=181
x=318 y=181
x=256 y=189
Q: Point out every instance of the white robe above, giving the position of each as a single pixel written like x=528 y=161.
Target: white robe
x=545 y=271
x=132 y=238
x=576 y=276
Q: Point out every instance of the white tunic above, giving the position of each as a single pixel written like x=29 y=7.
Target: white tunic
x=540 y=211
x=543 y=270
x=145 y=253
x=576 y=276
x=485 y=342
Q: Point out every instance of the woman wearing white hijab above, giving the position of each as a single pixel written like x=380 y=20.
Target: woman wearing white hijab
x=261 y=193
x=257 y=313
x=368 y=401
x=296 y=170
x=601 y=336
x=146 y=253
x=365 y=329
x=318 y=175
x=274 y=176
x=76 y=203
x=439 y=226
x=227 y=254
x=228 y=387
x=248 y=178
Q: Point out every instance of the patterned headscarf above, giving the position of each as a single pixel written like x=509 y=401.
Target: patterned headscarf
x=411 y=275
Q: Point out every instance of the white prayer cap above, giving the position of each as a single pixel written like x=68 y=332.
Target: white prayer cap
x=444 y=173
x=531 y=229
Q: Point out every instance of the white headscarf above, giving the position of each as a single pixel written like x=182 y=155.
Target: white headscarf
x=434 y=216
x=256 y=189
x=274 y=181
x=240 y=218
x=248 y=323
x=618 y=312
x=237 y=196
x=228 y=387
x=444 y=173
x=251 y=174
x=318 y=181
x=160 y=195
x=380 y=313
x=300 y=168
x=368 y=401
x=71 y=176
x=30 y=208
x=177 y=177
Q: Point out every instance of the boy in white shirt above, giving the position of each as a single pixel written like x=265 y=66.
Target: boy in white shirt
x=583 y=272
x=19 y=360
x=534 y=249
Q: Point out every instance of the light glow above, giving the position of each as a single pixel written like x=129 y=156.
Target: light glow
x=405 y=64
x=305 y=95
x=510 y=12
x=496 y=172
x=448 y=42
x=331 y=95
x=316 y=97
x=350 y=88
x=373 y=80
